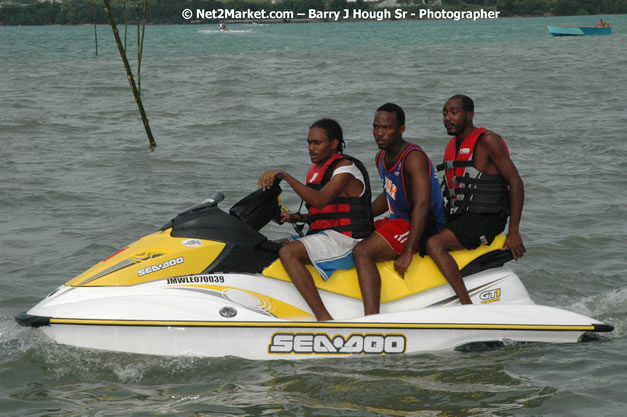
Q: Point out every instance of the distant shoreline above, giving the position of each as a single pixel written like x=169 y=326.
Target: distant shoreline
x=79 y=12
x=293 y=21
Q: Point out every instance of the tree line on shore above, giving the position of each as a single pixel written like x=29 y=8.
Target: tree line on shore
x=72 y=12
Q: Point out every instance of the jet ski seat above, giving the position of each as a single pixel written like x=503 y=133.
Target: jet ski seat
x=422 y=274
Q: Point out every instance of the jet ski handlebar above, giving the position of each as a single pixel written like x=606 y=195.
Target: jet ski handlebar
x=256 y=209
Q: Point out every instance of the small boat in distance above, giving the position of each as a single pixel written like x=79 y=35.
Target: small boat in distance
x=601 y=29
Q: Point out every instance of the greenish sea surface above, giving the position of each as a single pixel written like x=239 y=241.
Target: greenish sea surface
x=78 y=181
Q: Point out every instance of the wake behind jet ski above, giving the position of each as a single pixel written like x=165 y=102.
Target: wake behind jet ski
x=209 y=284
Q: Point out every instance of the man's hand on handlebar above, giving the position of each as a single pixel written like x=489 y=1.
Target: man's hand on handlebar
x=268 y=178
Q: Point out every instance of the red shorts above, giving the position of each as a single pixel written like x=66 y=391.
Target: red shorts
x=394 y=231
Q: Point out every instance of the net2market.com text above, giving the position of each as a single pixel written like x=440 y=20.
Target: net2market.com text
x=335 y=15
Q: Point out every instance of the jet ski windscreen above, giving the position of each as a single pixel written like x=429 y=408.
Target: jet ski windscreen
x=259 y=207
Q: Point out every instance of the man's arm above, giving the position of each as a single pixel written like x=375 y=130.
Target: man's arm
x=417 y=171
x=315 y=198
x=379 y=205
x=502 y=162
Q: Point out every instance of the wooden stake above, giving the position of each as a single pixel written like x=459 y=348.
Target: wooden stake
x=140 y=48
x=129 y=73
x=139 y=80
x=125 y=23
x=93 y=6
x=96 y=35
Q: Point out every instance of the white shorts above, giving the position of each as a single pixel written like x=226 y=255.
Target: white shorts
x=329 y=251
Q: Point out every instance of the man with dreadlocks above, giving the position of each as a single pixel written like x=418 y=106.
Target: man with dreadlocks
x=337 y=194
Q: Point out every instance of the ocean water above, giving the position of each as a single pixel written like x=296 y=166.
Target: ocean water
x=78 y=181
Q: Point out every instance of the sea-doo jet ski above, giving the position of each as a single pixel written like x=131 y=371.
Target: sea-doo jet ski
x=210 y=284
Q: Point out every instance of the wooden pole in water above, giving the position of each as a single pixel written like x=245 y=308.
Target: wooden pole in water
x=139 y=79
x=140 y=49
x=129 y=73
x=96 y=35
x=95 y=32
x=138 y=21
x=125 y=23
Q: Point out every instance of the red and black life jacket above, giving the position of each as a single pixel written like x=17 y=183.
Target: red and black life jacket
x=351 y=216
x=468 y=189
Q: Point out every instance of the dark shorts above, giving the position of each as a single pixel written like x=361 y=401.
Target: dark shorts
x=473 y=229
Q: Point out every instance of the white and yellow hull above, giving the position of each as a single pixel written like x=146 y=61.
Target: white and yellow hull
x=165 y=294
x=257 y=317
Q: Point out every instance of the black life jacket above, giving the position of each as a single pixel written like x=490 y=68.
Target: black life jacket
x=467 y=189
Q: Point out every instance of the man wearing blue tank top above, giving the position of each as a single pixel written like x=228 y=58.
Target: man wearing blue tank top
x=411 y=194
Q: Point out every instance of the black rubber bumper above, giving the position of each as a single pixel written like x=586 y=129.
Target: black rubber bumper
x=28 y=320
x=601 y=328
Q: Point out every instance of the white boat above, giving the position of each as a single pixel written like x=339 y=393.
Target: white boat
x=209 y=284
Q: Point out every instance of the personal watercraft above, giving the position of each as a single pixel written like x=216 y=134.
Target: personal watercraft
x=208 y=283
